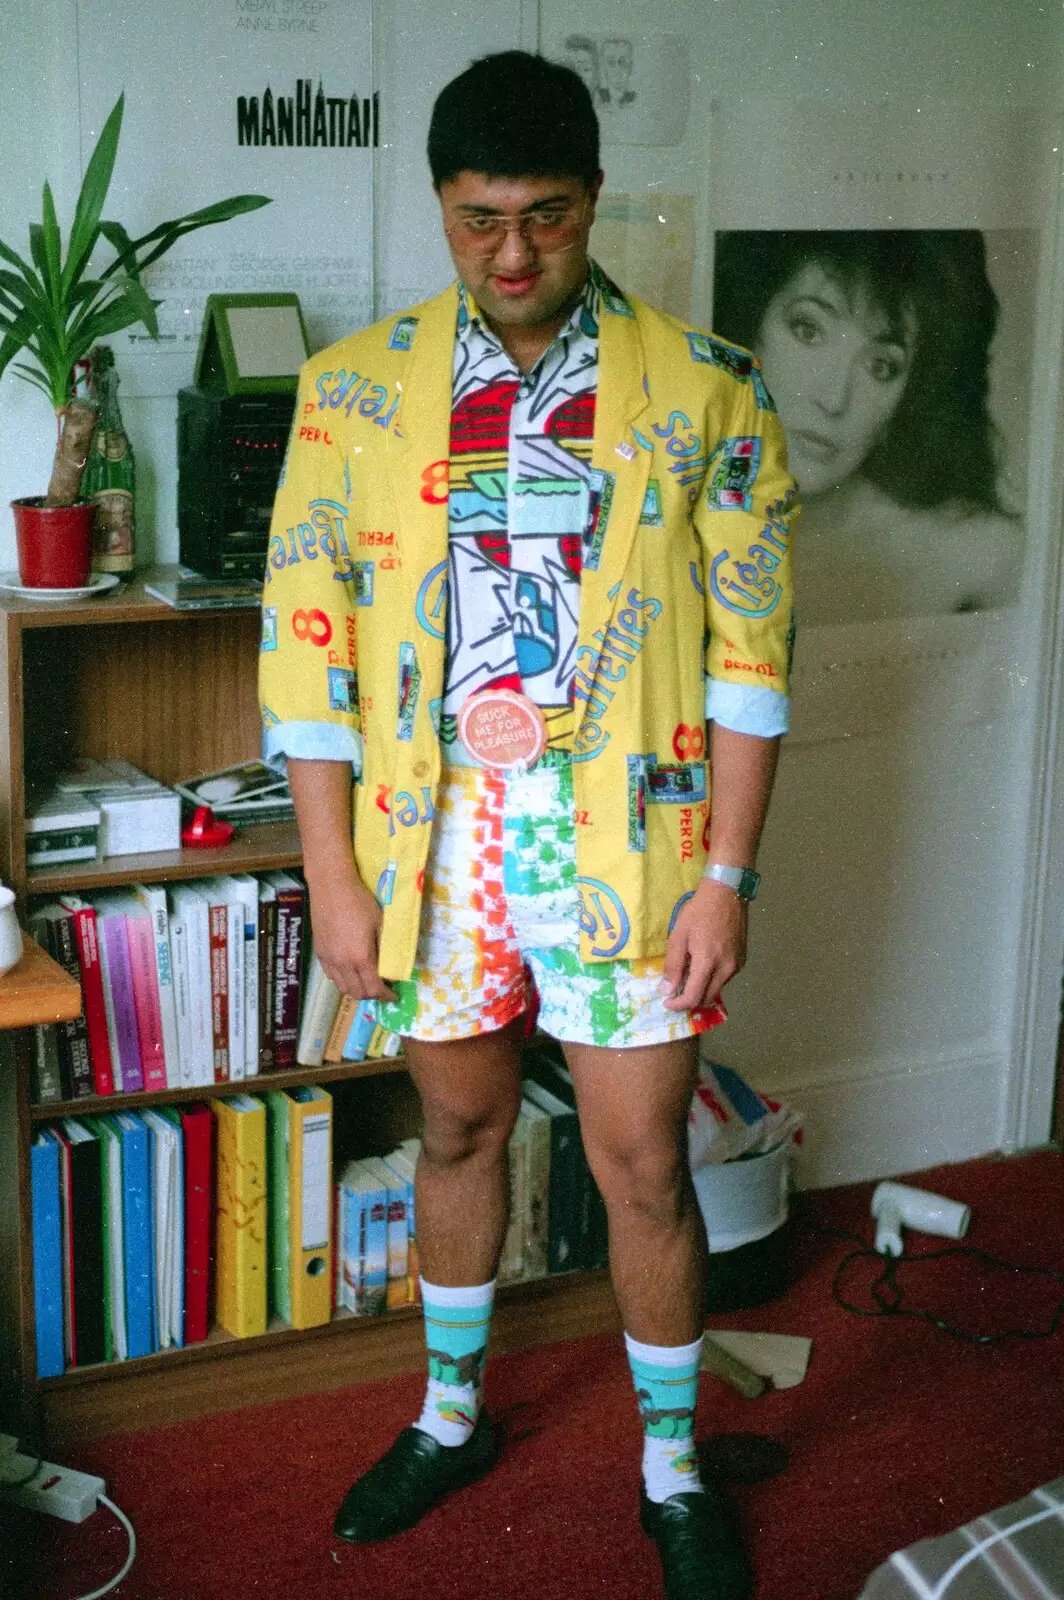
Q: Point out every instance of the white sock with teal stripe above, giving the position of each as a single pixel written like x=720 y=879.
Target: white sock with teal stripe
x=666 y=1387
x=457 y=1324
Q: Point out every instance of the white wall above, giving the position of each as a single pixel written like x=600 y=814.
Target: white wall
x=883 y=993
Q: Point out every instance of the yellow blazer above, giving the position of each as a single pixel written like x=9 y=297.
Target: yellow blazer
x=686 y=572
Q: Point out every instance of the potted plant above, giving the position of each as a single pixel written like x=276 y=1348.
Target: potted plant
x=55 y=307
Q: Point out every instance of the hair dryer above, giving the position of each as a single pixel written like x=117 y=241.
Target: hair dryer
x=895 y=1205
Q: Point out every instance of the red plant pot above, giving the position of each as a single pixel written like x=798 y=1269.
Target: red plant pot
x=54 y=543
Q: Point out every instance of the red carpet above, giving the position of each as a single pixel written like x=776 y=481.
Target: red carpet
x=898 y=1432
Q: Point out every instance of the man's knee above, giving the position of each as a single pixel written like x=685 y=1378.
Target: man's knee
x=642 y=1178
x=467 y=1129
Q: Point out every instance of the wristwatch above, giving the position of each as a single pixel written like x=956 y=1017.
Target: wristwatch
x=744 y=880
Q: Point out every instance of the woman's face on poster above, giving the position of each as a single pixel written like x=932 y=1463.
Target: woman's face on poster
x=836 y=372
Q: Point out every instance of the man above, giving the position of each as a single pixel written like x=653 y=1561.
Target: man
x=531 y=535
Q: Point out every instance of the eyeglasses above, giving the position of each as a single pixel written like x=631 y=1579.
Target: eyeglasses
x=547 y=229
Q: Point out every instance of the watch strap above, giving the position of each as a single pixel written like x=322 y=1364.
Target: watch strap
x=744 y=880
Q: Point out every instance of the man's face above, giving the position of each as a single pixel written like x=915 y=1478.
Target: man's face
x=616 y=64
x=528 y=276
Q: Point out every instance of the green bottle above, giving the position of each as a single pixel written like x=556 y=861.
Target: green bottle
x=110 y=474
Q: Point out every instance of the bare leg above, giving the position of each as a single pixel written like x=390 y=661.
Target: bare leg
x=633 y=1116
x=470 y=1093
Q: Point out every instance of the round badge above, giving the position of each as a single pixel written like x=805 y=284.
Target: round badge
x=502 y=729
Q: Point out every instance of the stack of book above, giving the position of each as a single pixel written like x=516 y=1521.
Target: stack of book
x=186 y=986
x=247 y=793
x=101 y=808
x=148 y=1226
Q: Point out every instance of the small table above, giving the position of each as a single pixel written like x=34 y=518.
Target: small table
x=37 y=990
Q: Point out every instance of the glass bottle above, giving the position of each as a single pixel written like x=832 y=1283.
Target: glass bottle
x=110 y=474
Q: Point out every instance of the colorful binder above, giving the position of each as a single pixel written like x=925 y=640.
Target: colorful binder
x=47 y=1253
x=197 y=1125
x=241 y=1214
x=310 y=1205
x=137 y=1231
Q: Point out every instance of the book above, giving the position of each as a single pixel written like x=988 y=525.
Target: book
x=533 y=1129
x=115 y=1296
x=267 y=974
x=512 y=1255
x=72 y=1038
x=176 y=1243
x=563 y=1224
x=279 y=1292
x=190 y=945
x=310 y=1205
x=241 y=1214
x=403 y=1162
x=61 y=828
x=166 y=1200
x=544 y=1059
x=218 y=945
x=119 y=1002
x=152 y=896
x=206 y=594
x=66 y=1214
x=92 y=992
x=394 y=1189
x=288 y=965
x=51 y=1082
x=197 y=1126
x=46 y=1229
x=244 y=890
x=361 y=1032
x=365 y=1242
x=88 y=1244
x=137 y=1226
x=321 y=1002
x=243 y=793
x=140 y=935
x=345 y=1015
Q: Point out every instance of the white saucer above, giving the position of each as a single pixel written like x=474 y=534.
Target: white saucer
x=101 y=583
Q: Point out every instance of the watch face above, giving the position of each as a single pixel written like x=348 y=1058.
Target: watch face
x=748 y=884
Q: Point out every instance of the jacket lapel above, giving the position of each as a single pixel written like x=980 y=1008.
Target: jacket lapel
x=622 y=468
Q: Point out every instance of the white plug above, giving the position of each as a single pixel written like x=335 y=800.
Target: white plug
x=60 y=1491
x=895 y=1204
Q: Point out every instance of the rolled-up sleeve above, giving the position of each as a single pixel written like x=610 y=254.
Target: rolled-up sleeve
x=308 y=658
x=744 y=518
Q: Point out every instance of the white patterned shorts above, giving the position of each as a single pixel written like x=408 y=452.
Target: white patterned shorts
x=501 y=919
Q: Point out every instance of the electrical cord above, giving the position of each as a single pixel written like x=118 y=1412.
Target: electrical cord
x=887 y=1292
x=117 y=1511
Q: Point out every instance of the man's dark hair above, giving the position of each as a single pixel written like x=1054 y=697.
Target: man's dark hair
x=514 y=115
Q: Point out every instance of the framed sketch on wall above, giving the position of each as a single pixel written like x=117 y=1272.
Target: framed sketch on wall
x=883 y=262
x=640 y=83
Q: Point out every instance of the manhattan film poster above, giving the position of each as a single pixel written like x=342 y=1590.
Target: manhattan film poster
x=890 y=293
x=275 y=97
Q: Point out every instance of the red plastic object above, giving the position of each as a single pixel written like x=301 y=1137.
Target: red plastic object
x=205 y=831
x=54 y=543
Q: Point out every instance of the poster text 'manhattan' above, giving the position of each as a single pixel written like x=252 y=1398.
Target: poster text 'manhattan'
x=308 y=119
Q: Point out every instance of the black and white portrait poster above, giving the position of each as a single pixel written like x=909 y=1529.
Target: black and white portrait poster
x=640 y=82
x=893 y=310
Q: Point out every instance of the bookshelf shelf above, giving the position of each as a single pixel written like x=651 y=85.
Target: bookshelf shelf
x=175 y=693
x=330 y=1073
x=259 y=848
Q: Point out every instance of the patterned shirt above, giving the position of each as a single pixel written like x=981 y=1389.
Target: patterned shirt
x=520 y=461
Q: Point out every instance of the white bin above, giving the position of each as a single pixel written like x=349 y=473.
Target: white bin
x=743 y=1200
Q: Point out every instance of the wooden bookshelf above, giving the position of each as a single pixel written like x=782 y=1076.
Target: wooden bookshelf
x=124 y=675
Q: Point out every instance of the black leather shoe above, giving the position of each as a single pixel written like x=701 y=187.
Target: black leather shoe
x=409 y=1479
x=702 y=1557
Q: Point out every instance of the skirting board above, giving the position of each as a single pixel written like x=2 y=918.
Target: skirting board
x=882 y=1125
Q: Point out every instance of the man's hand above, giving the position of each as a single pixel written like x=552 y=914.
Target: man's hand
x=346 y=919
x=706 y=947
x=344 y=915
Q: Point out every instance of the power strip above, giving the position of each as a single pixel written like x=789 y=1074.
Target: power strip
x=60 y=1491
